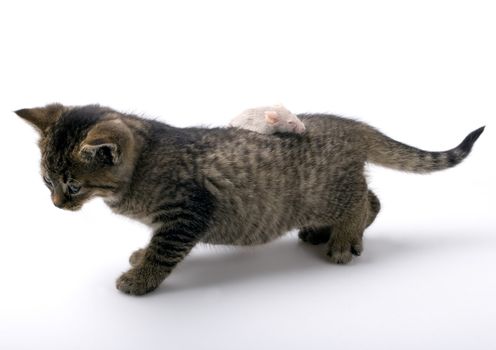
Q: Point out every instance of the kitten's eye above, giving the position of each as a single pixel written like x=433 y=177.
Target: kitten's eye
x=73 y=187
x=48 y=182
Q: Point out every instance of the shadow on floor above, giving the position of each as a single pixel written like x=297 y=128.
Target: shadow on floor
x=221 y=266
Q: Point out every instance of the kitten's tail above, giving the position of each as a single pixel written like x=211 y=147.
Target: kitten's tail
x=390 y=153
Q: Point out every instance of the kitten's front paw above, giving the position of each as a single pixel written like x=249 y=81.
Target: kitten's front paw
x=138 y=281
x=136 y=257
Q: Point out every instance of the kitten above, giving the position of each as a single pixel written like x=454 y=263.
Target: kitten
x=268 y=120
x=221 y=185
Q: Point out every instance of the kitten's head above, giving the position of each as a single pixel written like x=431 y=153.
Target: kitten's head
x=85 y=151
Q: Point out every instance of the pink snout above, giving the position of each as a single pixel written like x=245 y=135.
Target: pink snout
x=299 y=128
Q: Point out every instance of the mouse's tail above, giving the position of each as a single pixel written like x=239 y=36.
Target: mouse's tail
x=385 y=151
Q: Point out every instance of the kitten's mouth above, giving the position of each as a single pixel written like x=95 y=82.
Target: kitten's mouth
x=72 y=207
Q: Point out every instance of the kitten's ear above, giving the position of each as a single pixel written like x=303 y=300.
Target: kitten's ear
x=106 y=142
x=271 y=117
x=103 y=153
x=42 y=117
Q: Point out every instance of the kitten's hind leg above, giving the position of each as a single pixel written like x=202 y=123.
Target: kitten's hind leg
x=315 y=235
x=374 y=207
x=319 y=235
x=347 y=233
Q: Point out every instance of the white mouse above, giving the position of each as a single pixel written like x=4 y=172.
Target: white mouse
x=268 y=120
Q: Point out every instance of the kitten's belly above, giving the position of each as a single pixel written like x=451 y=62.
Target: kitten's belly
x=241 y=234
x=253 y=217
x=237 y=238
x=245 y=231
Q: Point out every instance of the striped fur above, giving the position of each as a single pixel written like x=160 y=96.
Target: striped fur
x=390 y=153
x=222 y=185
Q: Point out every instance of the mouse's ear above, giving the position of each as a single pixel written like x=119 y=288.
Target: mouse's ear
x=271 y=117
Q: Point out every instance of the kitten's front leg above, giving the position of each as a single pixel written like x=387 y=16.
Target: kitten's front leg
x=136 y=257
x=167 y=248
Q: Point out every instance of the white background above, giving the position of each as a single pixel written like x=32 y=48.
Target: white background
x=424 y=72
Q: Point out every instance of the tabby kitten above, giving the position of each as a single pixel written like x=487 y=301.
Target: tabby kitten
x=221 y=185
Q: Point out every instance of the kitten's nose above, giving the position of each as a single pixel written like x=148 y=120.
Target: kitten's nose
x=58 y=200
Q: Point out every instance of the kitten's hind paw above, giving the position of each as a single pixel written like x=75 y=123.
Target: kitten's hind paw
x=315 y=235
x=341 y=258
x=342 y=253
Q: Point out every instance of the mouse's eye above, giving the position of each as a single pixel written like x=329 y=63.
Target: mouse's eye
x=291 y=122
